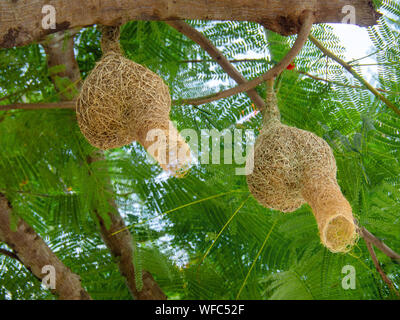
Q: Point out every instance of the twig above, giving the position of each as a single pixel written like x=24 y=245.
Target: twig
x=364 y=57
x=378 y=267
x=350 y=69
x=370 y=240
x=202 y=110
x=14 y=256
x=375 y=64
x=217 y=55
x=270 y=74
x=9 y=254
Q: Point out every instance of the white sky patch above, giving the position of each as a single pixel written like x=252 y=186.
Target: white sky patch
x=357 y=43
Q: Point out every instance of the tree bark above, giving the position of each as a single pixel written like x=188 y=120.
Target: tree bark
x=21 y=20
x=34 y=253
x=39 y=106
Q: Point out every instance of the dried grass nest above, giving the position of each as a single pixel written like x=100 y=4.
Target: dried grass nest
x=290 y=167
x=122 y=101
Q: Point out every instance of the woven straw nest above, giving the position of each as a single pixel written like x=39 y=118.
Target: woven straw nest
x=292 y=167
x=122 y=101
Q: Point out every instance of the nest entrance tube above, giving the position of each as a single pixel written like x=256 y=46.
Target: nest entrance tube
x=293 y=166
x=122 y=101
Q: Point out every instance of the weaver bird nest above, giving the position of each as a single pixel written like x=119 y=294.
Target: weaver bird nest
x=291 y=167
x=122 y=101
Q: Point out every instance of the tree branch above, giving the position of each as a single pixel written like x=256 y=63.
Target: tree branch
x=219 y=58
x=21 y=21
x=370 y=240
x=39 y=106
x=194 y=102
x=34 y=254
x=350 y=69
x=60 y=51
x=378 y=267
x=121 y=248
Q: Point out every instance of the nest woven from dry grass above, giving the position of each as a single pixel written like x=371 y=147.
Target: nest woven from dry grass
x=291 y=167
x=122 y=101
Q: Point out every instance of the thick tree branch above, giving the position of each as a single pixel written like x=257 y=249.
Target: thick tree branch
x=21 y=21
x=121 y=247
x=219 y=58
x=33 y=252
x=350 y=69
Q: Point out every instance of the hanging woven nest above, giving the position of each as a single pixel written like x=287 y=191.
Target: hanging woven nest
x=122 y=101
x=291 y=167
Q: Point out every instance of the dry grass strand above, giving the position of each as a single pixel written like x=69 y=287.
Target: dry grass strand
x=122 y=101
